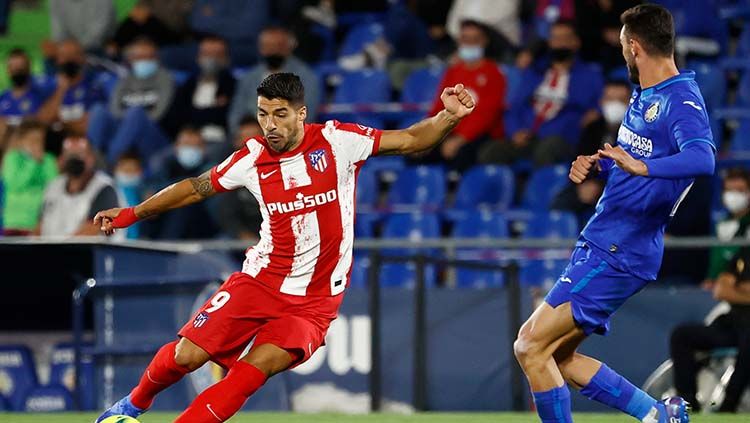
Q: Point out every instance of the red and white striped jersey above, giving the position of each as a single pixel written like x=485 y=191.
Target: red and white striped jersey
x=306 y=198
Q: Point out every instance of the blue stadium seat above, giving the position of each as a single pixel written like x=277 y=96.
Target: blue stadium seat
x=743 y=90
x=404 y=275
x=553 y=224
x=62 y=372
x=542 y=272
x=360 y=269
x=364 y=224
x=743 y=43
x=367 y=188
x=420 y=87
x=479 y=224
x=712 y=82
x=489 y=185
x=412 y=226
x=543 y=185
x=740 y=142
x=418 y=186
x=366 y=86
x=512 y=81
x=48 y=399
x=359 y=36
x=386 y=164
x=17 y=368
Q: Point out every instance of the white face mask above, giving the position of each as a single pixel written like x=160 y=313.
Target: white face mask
x=470 y=53
x=614 y=111
x=735 y=201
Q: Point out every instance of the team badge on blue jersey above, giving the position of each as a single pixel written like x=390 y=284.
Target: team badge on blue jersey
x=318 y=160
x=652 y=112
x=200 y=319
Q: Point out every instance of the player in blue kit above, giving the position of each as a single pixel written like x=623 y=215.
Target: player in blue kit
x=663 y=143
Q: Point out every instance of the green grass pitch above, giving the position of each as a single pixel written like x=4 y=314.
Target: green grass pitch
x=155 y=417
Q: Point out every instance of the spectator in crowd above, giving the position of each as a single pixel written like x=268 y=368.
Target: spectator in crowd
x=173 y=13
x=487 y=85
x=238 y=211
x=275 y=47
x=598 y=24
x=136 y=107
x=129 y=179
x=26 y=171
x=557 y=98
x=603 y=130
x=76 y=90
x=185 y=159
x=731 y=329
x=73 y=198
x=434 y=13
x=736 y=199
x=141 y=22
x=204 y=99
x=89 y=22
x=25 y=97
x=501 y=17
x=237 y=21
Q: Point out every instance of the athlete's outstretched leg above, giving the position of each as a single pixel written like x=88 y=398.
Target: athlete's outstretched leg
x=546 y=330
x=223 y=399
x=173 y=361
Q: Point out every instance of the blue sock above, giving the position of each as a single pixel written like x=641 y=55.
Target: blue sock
x=615 y=391
x=553 y=406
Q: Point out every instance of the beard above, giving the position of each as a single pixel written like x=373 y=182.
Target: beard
x=633 y=74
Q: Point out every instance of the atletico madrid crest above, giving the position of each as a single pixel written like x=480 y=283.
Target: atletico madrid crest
x=318 y=160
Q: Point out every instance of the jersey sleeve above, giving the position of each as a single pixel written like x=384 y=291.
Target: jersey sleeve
x=234 y=171
x=689 y=123
x=359 y=141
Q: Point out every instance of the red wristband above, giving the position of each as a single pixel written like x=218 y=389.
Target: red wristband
x=125 y=218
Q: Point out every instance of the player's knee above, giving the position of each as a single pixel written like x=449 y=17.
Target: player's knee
x=526 y=349
x=189 y=355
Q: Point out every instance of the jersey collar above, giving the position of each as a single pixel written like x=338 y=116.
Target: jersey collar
x=686 y=75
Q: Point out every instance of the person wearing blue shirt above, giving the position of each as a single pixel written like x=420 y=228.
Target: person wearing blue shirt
x=25 y=97
x=663 y=143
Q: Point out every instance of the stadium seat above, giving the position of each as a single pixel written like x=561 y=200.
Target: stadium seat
x=489 y=186
x=18 y=372
x=553 y=224
x=422 y=186
x=364 y=224
x=420 y=87
x=743 y=90
x=740 y=142
x=712 y=82
x=542 y=187
x=541 y=272
x=359 y=36
x=479 y=224
x=62 y=372
x=46 y=399
x=512 y=80
x=404 y=275
x=413 y=226
x=366 y=86
x=360 y=269
x=743 y=43
x=367 y=189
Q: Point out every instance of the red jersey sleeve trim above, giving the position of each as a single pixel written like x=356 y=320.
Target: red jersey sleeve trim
x=376 y=142
x=215 y=180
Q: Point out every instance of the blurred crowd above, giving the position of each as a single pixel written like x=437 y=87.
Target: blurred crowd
x=125 y=108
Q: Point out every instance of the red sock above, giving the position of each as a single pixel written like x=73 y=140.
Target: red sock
x=221 y=400
x=161 y=373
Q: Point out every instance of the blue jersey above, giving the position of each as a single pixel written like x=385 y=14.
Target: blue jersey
x=14 y=109
x=628 y=226
x=79 y=98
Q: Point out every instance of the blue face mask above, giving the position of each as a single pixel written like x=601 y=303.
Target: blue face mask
x=145 y=68
x=470 y=53
x=128 y=180
x=189 y=157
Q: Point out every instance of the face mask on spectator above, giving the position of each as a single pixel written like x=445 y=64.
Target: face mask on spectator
x=614 y=111
x=145 y=68
x=735 y=201
x=189 y=157
x=128 y=180
x=74 y=166
x=209 y=65
x=470 y=53
x=274 y=61
x=19 y=79
x=561 y=54
x=70 y=69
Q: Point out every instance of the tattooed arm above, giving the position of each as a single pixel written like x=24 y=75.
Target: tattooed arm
x=180 y=194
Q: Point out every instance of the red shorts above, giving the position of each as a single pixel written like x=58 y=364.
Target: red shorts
x=245 y=310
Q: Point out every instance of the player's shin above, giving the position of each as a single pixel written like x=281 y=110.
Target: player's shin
x=223 y=399
x=553 y=406
x=613 y=390
x=161 y=373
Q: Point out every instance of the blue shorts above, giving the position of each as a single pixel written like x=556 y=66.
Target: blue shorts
x=594 y=289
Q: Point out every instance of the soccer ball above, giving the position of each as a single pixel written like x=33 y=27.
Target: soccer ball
x=119 y=419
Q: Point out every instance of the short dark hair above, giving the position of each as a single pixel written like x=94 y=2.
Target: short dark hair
x=652 y=25
x=18 y=51
x=283 y=85
x=738 y=173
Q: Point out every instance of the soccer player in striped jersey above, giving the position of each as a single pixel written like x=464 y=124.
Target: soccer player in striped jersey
x=664 y=142
x=292 y=281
